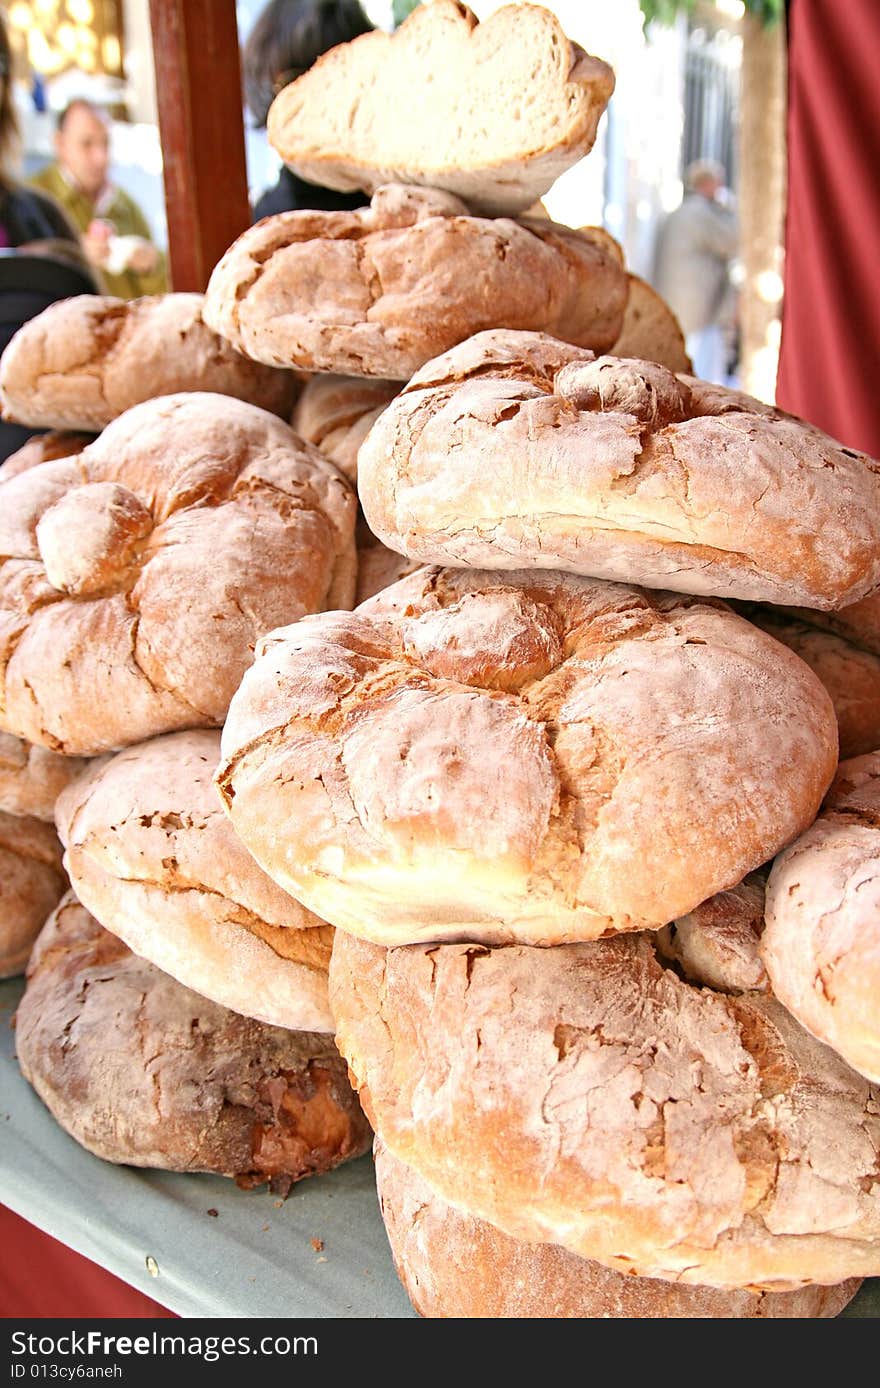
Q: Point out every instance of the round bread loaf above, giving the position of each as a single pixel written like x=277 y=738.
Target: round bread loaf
x=586 y=1096
x=381 y=290
x=859 y=622
x=822 y=941
x=135 y=578
x=32 y=778
x=454 y=1265
x=140 y=1070
x=378 y=568
x=84 y=361
x=718 y=943
x=44 y=448
x=152 y=856
x=851 y=675
x=495 y=112
x=513 y=451
x=530 y=756
x=32 y=881
x=336 y=413
x=651 y=331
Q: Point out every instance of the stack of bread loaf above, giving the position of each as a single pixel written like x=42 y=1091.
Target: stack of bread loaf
x=538 y=785
x=190 y=1029
x=528 y=792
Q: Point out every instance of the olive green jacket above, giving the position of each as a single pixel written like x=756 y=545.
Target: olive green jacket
x=127 y=218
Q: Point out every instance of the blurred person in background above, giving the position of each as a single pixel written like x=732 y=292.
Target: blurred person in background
x=287 y=38
x=114 y=232
x=25 y=215
x=40 y=256
x=692 y=268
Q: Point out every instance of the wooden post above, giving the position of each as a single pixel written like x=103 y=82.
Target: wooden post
x=198 y=86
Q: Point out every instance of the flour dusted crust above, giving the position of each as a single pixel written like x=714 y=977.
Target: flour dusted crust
x=585 y=1096
x=493 y=112
x=142 y=1071
x=136 y=577
x=84 y=361
x=152 y=856
x=455 y=1265
x=718 y=943
x=850 y=674
x=32 y=881
x=381 y=290
x=32 y=778
x=44 y=448
x=651 y=330
x=822 y=941
x=512 y=452
x=336 y=413
x=485 y=756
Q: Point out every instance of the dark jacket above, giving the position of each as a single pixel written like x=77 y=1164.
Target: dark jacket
x=31 y=216
x=291 y=193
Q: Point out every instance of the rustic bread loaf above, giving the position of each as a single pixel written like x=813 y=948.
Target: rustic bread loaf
x=482 y=756
x=493 y=112
x=32 y=881
x=142 y=1071
x=651 y=331
x=378 y=568
x=851 y=675
x=858 y=622
x=512 y=452
x=32 y=778
x=136 y=577
x=822 y=941
x=336 y=413
x=718 y=943
x=586 y=1096
x=152 y=856
x=44 y=448
x=454 y=1265
x=379 y=291
x=83 y=361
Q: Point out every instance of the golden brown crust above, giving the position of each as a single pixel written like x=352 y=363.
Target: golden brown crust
x=718 y=943
x=503 y=108
x=380 y=291
x=511 y=451
x=378 y=568
x=599 y=1102
x=851 y=675
x=32 y=778
x=151 y=854
x=822 y=941
x=480 y=756
x=136 y=577
x=31 y=882
x=336 y=413
x=455 y=1265
x=44 y=448
x=82 y=362
x=140 y=1070
x=651 y=331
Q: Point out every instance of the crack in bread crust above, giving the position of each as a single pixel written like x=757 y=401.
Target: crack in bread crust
x=619 y=469
x=468 y=755
x=601 y=1103
x=116 y=620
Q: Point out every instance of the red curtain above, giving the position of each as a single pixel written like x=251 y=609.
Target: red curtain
x=830 y=358
x=41 y=1278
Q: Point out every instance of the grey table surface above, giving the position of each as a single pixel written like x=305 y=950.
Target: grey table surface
x=254 y=1258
